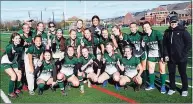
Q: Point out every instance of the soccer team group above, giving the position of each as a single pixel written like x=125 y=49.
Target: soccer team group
x=96 y=55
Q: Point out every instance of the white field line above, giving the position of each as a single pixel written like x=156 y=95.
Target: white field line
x=177 y=83
x=4 y=97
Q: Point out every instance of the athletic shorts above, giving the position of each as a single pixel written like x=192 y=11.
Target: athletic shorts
x=110 y=69
x=89 y=70
x=67 y=71
x=131 y=73
x=153 y=59
x=44 y=77
x=143 y=56
x=6 y=66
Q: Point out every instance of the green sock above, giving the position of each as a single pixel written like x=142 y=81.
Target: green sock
x=80 y=78
x=18 y=84
x=11 y=86
x=144 y=77
x=152 y=78
x=41 y=86
x=61 y=85
x=163 y=79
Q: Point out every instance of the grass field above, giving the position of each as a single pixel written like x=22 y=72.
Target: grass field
x=94 y=95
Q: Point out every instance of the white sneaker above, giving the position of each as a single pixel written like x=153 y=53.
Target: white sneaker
x=89 y=83
x=171 y=92
x=31 y=92
x=184 y=93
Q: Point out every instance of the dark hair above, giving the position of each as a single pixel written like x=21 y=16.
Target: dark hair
x=87 y=29
x=147 y=22
x=62 y=41
x=95 y=16
x=49 y=51
x=38 y=36
x=25 y=24
x=133 y=23
x=51 y=23
x=79 y=20
x=38 y=24
x=13 y=36
x=103 y=29
x=72 y=30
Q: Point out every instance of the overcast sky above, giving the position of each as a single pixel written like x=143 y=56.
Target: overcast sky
x=12 y=10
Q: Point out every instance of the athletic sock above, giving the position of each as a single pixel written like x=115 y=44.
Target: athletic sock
x=61 y=84
x=163 y=79
x=41 y=86
x=152 y=78
x=80 y=78
x=11 y=86
x=144 y=77
x=19 y=84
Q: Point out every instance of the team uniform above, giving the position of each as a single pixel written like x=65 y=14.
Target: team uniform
x=130 y=66
x=91 y=45
x=110 y=63
x=35 y=52
x=75 y=44
x=121 y=43
x=44 y=37
x=11 y=60
x=79 y=35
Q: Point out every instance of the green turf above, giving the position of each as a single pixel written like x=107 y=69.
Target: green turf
x=94 y=96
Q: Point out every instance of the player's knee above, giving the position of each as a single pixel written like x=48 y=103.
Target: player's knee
x=122 y=83
x=13 y=77
x=76 y=83
x=116 y=78
x=100 y=80
x=60 y=76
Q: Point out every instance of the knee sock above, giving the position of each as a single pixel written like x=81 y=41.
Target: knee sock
x=163 y=79
x=11 y=86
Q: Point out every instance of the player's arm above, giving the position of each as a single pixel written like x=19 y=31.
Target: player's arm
x=10 y=52
x=102 y=48
x=31 y=68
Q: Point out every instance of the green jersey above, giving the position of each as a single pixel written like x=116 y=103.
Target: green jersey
x=75 y=43
x=35 y=51
x=47 y=67
x=90 y=44
x=26 y=39
x=152 y=43
x=130 y=64
x=79 y=35
x=111 y=60
x=84 y=61
x=44 y=37
x=105 y=41
x=70 y=62
x=135 y=39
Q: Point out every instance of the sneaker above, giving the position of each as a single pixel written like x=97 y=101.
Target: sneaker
x=151 y=87
x=64 y=93
x=40 y=92
x=105 y=83
x=18 y=92
x=184 y=93
x=31 y=92
x=12 y=95
x=143 y=86
x=117 y=86
x=25 y=88
x=89 y=83
x=171 y=92
x=82 y=89
x=163 y=89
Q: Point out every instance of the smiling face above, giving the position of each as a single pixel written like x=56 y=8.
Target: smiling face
x=109 y=48
x=95 y=22
x=87 y=34
x=52 y=27
x=73 y=35
x=133 y=28
x=38 y=41
x=79 y=24
x=115 y=31
x=26 y=29
x=59 y=34
x=70 y=51
x=47 y=56
x=147 y=28
x=105 y=34
x=40 y=27
x=85 y=52
x=16 y=40
x=128 y=52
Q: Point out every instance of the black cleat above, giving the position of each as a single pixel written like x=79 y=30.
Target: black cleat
x=40 y=92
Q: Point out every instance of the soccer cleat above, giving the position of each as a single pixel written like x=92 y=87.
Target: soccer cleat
x=18 y=91
x=25 y=88
x=151 y=87
x=40 y=92
x=82 y=89
x=89 y=83
x=125 y=87
x=143 y=86
x=184 y=93
x=64 y=93
x=12 y=95
x=163 y=89
x=105 y=83
x=31 y=92
x=171 y=92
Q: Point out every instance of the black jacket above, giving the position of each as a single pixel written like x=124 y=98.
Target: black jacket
x=177 y=42
x=94 y=33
